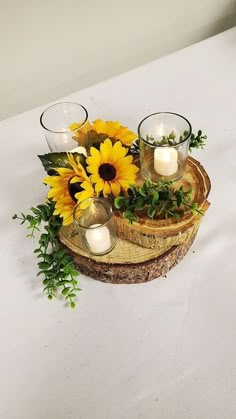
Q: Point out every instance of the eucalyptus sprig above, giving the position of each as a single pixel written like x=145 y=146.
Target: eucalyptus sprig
x=55 y=265
x=159 y=200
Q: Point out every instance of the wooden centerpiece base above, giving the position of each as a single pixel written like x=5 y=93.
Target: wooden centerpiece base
x=150 y=248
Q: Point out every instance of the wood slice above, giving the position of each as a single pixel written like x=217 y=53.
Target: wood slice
x=148 y=249
x=161 y=234
x=127 y=263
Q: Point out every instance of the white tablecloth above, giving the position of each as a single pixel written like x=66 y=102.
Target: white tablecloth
x=165 y=349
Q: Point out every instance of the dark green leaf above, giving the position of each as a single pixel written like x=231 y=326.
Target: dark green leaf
x=74 y=273
x=47 y=258
x=127 y=214
x=155 y=198
x=148 y=183
x=140 y=203
x=46 y=281
x=119 y=202
x=142 y=190
x=61 y=283
x=43 y=265
x=36 y=211
x=65 y=291
x=151 y=212
x=59 y=254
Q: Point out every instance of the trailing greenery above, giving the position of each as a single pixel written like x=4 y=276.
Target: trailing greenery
x=55 y=265
x=159 y=200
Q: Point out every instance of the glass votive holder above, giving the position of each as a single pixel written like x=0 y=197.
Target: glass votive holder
x=95 y=225
x=164 y=143
x=56 y=121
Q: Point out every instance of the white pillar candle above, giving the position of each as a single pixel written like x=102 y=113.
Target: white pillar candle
x=99 y=239
x=165 y=161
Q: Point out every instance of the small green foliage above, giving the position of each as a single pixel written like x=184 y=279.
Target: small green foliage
x=55 y=265
x=197 y=141
x=157 y=200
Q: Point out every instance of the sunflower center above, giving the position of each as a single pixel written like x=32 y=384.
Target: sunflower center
x=107 y=171
x=74 y=188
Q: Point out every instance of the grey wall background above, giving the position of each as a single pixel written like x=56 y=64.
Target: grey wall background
x=51 y=48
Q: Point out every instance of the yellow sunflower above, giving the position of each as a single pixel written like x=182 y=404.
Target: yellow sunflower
x=66 y=185
x=111 y=170
x=96 y=132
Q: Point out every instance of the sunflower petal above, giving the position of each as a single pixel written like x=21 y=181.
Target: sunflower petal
x=99 y=186
x=115 y=188
x=99 y=126
x=95 y=156
x=107 y=188
x=106 y=150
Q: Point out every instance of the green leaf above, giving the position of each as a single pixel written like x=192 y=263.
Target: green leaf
x=47 y=258
x=59 y=254
x=142 y=190
x=172 y=135
x=72 y=304
x=36 y=211
x=151 y=212
x=127 y=214
x=40 y=273
x=46 y=281
x=148 y=183
x=74 y=272
x=119 y=202
x=140 y=203
x=74 y=282
x=64 y=282
x=155 y=198
x=179 y=197
x=66 y=290
x=43 y=265
x=14 y=216
x=43 y=238
x=176 y=215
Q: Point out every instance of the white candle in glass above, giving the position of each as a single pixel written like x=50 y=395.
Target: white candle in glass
x=98 y=239
x=165 y=161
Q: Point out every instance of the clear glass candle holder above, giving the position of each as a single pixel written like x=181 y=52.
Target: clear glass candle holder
x=164 y=144
x=56 y=121
x=95 y=225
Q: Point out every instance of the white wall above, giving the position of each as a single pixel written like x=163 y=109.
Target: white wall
x=50 y=48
